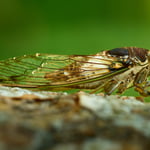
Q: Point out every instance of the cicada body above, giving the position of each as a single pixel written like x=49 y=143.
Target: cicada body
x=108 y=71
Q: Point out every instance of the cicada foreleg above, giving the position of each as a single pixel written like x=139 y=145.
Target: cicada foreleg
x=141 y=84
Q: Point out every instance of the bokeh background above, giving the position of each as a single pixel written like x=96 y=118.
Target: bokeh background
x=72 y=27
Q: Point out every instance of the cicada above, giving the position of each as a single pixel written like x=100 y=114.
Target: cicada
x=108 y=71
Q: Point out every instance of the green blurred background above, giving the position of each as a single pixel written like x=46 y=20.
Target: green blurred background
x=72 y=27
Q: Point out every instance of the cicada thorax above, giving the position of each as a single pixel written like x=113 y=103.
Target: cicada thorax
x=136 y=59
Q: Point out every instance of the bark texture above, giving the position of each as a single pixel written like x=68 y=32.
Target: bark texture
x=81 y=121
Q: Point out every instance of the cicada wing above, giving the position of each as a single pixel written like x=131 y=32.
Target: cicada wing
x=30 y=70
x=53 y=71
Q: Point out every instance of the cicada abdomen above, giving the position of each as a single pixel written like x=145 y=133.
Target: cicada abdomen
x=107 y=71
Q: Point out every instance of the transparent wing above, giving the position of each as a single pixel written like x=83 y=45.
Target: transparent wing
x=31 y=69
x=53 y=71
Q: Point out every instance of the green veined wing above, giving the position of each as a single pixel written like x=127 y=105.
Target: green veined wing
x=53 y=71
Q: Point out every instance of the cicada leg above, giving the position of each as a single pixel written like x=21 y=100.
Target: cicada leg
x=107 y=87
x=126 y=83
x=141 y=82
x=123 y=86
x=99 y=88
x=111 y=86
x=120 y=86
